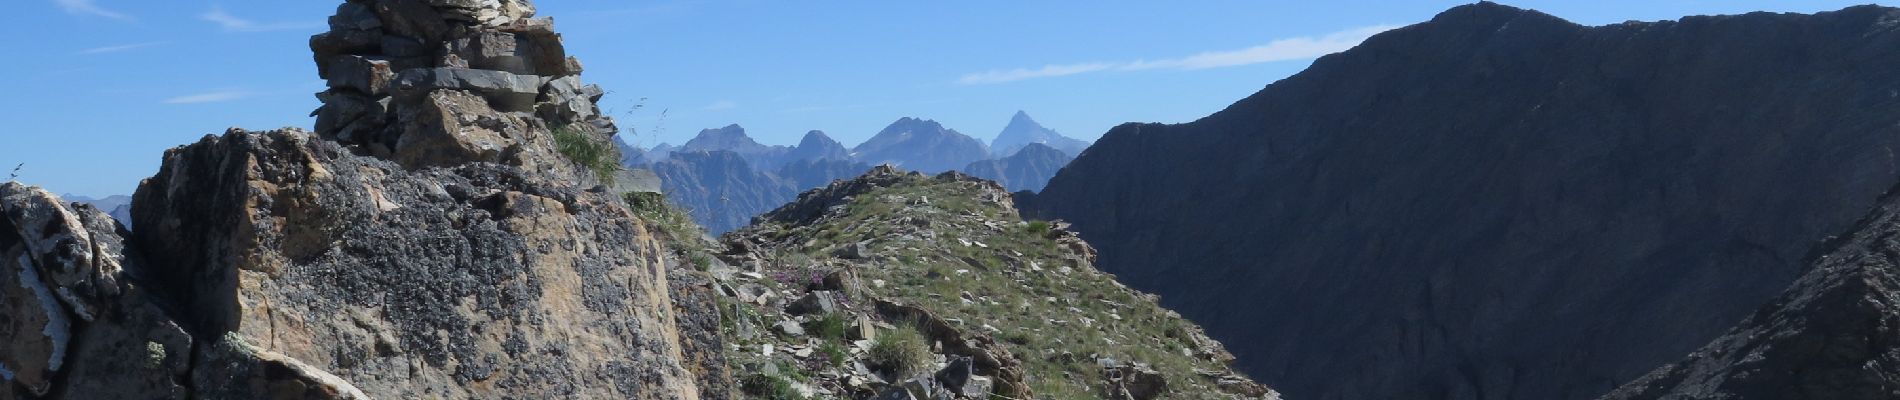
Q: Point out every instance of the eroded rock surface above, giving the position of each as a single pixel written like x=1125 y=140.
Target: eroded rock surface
x=443 y=234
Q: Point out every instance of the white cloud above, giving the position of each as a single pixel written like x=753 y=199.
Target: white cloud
x=118 y=48
x=1000 y=76
x=233 y=23
x=86 y=7
x=721 y=105
x=1279 y=50
x=209 y=97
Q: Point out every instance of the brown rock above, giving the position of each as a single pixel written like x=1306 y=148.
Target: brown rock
x=454 y=127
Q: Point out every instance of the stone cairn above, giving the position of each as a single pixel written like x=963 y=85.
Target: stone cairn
x=444 y=82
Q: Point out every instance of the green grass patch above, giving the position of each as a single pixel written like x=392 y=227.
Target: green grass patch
x=769 y=387
x=830 y=327
x=902 y=352
x=595 y=155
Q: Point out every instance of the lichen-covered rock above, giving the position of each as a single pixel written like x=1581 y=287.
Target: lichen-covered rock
x=233 y=368
x=72 y=321
x=479 y=281
x=434 y=240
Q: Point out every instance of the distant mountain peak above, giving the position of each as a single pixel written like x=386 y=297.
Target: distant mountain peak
x=726 y=134
x=818 y=146
x=1023 y=130
x=921 y=144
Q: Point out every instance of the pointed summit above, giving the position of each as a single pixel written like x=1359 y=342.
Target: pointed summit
x=817 y=146
x=1023 y=130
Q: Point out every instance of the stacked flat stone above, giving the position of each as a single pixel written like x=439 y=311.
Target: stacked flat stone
x=444 y=82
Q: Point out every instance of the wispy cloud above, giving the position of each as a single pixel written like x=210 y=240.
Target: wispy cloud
x=87 y=7
x=1279 y=50
x=233 y=23
x=210 y=97
x=118 y=48
x=1047 y=71
x=721 y=105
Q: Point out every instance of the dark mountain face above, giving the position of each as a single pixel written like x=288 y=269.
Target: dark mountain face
x=921 y=145
x=1830 y=336
x=1500 y=204
x=733 y=138
x=719 y=189
x=1029 y=169
x=1023 y=131
x=807 y=174
x=817 y=146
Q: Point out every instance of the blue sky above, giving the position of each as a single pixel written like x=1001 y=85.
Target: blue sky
x=100 y=88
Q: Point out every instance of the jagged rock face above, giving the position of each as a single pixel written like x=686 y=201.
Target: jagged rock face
x=1028 y=169
x=118 y=206
x=720 y=189
x=74 y=318
x=1023 y=131
x=1499 y=203
x=817 y=146
x=734 y=139
x=434 y=240
x=921 y=145
x=479 y=281
x=1829 y=336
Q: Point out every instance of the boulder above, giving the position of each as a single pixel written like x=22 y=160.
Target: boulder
x=817 y=302
x=959 y=377
x=789 y=328
x=1132 y=382
x=233 y=368
x=433 y=282
x=365 y=75
x=454 y=127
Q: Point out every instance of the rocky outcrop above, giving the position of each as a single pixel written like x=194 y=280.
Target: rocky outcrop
x=487 y=280
x=921 y=145
x=825 y=290
x=1023 y=131
x=444 y=234
x=1499 y=203
x=1829 y=336
x=75 y=315
x=1028 y=169
x=118 y=206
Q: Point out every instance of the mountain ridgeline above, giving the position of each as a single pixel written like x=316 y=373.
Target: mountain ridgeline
x=722 y=195
x=1500 y=204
